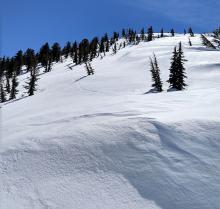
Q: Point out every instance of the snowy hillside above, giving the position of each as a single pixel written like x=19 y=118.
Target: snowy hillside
x=103 y=142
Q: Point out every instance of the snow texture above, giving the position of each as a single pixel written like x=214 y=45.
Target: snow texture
x=106 y=141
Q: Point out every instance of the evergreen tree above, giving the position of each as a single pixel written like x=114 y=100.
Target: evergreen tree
x=93 y=48
x=19 y=60
x=190 y=31
x=66 y=49
x=11 y=67
x=8 y=85
x=181 y=69
x=14 y=86
x=75 y=52
x=115 y=36
x=56 y=52
x=123 y=34
x=150 y=33
x=45 y=57
x=2 y=67
x=161 y=33
x=30 y=59
x=142 y=34
x=173 y=70
x=106 y=41
x=32 y=83
x=184 y=32
x=177 y=70
x=114 y=48
x=2 y=94
x=172 y=32
x=155 y=71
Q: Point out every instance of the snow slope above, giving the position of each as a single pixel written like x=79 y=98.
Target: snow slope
x=104 y=142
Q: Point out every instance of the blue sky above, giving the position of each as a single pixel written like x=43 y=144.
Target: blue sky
x=30 y=23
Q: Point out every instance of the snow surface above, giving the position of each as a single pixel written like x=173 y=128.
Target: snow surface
x=106 y=142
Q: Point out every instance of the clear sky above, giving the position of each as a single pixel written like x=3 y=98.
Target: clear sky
x=30 y=23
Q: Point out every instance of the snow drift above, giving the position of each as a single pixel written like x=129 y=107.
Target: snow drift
x=103 y=142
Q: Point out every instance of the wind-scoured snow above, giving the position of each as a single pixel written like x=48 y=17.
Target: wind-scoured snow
x=106 y=142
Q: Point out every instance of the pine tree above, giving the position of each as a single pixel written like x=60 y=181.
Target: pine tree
x=93 y=48
x=56 y=52
x=2 y=94
x=14 y=86
x=172 y=32
x=173 y=70
x=142 y=34
x=155 y=71
x=19 y=60
x=177 y=70
x=150 y=33
x=190 y=31
x=114 y=48
x=181 y=69
x=161 y=33
x=45 y=57
x=123 y=34
x=32 y=83
x=8 y=85
x=30 y=59
x=66 y=50
x=115 y=36
x=75 y=52
x=184 y=32
x=106 y=42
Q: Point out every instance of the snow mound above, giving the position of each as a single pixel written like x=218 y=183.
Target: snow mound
x=101 y=142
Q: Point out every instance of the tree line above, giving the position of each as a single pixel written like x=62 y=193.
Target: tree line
x=82 y=52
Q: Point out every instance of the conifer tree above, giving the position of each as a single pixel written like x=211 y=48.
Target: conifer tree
x=181 y=69
x=150 y=33
x=56 y=52
x=172 y=32
x=155 y=72
x=115 y=36
x=66 y=50
x=8 y=85
x=45 y=57
x=75 y=52
x=161 y=33
x=184 y=32
x=93 y=48
x=190 y=31
x=123 y=33
x=142 y=34
x=32 y=83
x=29 y=59
x=106 y=42
x=14 y=86
x=114 y=48
x=177 y=70
x=19 y=60
x=2 y=94
x=173 y=70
